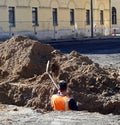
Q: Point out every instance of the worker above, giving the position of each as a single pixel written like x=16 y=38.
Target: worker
x=61 y=101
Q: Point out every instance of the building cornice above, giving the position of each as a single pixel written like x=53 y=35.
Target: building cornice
x=3 y=6
x=23 y=6
x=44 y=7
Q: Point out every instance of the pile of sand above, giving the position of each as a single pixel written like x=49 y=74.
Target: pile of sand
x=21 y=57
x=24 y=82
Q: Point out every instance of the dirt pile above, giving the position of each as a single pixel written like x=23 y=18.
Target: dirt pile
x=95 y=88
x=24 y=82
x=21 y=57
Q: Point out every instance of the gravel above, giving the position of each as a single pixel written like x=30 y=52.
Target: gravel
x=106 y=60
x=14 y=115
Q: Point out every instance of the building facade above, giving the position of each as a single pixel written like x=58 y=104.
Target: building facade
x=48 y=19
x=115 y=17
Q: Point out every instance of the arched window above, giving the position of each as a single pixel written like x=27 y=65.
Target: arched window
x=114 y=15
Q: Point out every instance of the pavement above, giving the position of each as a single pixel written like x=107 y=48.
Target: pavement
x=25 y=116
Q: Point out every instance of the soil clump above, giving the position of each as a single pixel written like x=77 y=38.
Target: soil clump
x=25 y=83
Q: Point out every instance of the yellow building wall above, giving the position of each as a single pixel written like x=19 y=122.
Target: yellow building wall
x=115 y=3
x=23 y=14
x=3 y=19
x=105 y=6
x=23 y=18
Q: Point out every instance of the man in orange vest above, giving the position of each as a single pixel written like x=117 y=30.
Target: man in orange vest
x=61 y=101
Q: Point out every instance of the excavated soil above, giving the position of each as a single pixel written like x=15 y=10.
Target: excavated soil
x=23 y=81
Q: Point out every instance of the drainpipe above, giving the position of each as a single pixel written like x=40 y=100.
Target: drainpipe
x=110 y=6
x=91 y=8
x=10 y=31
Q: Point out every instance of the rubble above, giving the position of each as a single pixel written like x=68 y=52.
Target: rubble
x=25 y=83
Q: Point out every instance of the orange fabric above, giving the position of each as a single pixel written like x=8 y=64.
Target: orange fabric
x=60 y=102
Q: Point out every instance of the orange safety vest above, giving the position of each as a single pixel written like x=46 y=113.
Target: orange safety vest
x=60 y=102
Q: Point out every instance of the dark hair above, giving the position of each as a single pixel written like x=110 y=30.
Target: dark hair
x=62 y=85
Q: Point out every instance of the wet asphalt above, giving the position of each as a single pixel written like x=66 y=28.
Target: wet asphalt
x=88 y=46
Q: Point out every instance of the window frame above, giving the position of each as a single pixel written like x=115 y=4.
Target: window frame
x=35 y=16
x=11 y=16
x=101 y=17
x=72 y=17
x=55 y=16
x=114 y=16
x=87 y=17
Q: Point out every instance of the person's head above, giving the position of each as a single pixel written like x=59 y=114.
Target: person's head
x=62 y=85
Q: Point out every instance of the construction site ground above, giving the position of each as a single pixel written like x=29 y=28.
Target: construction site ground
x=25 y=89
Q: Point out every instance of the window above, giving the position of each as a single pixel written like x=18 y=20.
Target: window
x=87 y=17
x=114 y=15
x=101 y=17
x=55 y=20
x=34 y=16
x=72 y=20
x=12 y=16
